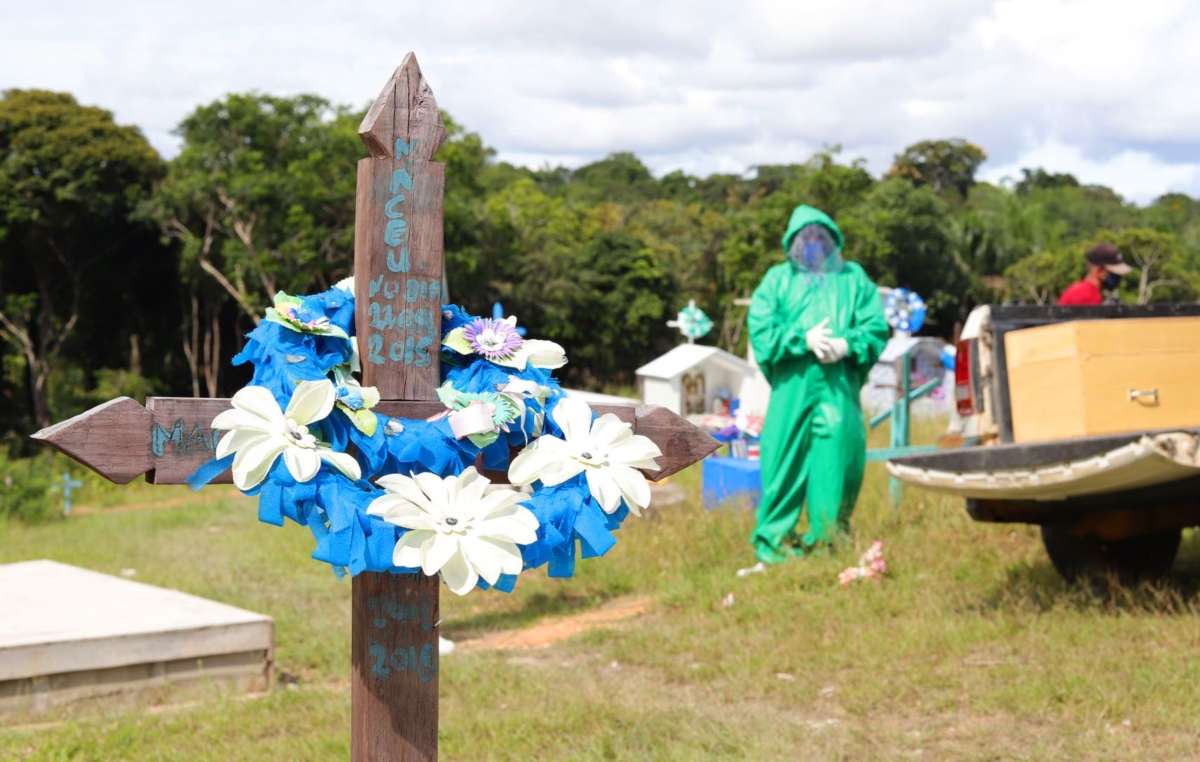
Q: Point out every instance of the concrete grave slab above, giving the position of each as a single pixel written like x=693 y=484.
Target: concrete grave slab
x=69 y=635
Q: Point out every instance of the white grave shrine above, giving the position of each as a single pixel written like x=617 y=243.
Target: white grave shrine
x=69 y=635
x=688 y=379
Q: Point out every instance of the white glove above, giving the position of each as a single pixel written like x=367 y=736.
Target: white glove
x=838 y=349
x=817 y=339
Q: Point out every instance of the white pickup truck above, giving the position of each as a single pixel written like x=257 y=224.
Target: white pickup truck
x=1114 y=503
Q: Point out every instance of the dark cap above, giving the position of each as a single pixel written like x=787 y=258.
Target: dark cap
x=1109 y=257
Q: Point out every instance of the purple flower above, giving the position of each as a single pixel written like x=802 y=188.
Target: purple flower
x=494 y=339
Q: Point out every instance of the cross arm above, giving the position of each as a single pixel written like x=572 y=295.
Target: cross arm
x=172 y=436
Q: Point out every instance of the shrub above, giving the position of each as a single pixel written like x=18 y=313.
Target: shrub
x=30 y=489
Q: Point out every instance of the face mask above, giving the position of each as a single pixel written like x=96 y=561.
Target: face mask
x=811 y=247
x=1111 y=281
x=814 y=254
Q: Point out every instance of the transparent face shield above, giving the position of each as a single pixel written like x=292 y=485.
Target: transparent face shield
x=814 y=250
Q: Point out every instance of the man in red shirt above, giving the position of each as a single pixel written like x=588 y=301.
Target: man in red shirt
x=1105 y=268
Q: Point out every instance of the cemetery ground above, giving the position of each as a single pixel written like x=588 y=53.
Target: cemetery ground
x=971 y=649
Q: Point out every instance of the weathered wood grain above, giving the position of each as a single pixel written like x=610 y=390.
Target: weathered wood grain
x=182 y=438
x=398 y=238
x=405 y=108
x=169 y=440
x=394 y=653
x=398 y=289
x=682 y=443
x=111 y=439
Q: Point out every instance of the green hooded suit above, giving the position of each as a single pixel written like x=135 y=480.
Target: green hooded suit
x=813 y=440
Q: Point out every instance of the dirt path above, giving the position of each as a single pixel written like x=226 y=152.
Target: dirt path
x=551 y=631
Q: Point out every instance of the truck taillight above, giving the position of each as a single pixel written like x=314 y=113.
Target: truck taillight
x=964 y=389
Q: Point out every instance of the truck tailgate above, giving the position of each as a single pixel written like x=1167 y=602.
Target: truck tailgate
x=1056 y=470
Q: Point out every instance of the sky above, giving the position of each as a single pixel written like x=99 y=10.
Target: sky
x=1104 y=90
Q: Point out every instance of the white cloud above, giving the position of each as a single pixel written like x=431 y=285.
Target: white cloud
x=853 y=29
x=1104 y=88
x=1138 y=174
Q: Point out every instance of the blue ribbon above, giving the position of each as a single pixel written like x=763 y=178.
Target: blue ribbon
x=334 y=508
x=209 y=471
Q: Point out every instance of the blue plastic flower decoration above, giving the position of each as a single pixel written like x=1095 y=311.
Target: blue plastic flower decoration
x=279 y=442
x=904 y=310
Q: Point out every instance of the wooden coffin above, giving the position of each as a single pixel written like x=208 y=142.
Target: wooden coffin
x=1093 y=377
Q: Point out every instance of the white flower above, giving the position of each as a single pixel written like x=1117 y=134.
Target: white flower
x=454 y=528
x=497 y=340
x=259 y=432
x=605 y=450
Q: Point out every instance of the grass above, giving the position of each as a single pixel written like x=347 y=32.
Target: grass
x=972 y=649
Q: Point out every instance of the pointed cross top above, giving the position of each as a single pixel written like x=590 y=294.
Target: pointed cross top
x=405 y=111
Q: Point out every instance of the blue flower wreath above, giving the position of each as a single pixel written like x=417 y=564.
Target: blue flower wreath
x=309 y=338
x=904 y=310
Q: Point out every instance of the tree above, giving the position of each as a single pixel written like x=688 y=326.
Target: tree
x=1162 y=274
x=941 y=164
x=830 y=186
x=599 y=279
x=1041 y=277
x=898 y=234
x=468 y=162
x=1160 y=262
x=69 y=180
x=619 y=177
x=1035 y=179
x=622 y=319
x=529 y=250
x=1179 y=214
x=260 y=200
x=685 y=240
x=1074 y=213
x=679 y=186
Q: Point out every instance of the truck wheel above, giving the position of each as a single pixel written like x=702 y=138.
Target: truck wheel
x=1132 y=559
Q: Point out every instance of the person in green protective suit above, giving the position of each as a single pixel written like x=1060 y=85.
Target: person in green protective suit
x=817 y=327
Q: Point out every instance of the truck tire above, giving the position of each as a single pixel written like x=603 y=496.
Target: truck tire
x=1133 y=559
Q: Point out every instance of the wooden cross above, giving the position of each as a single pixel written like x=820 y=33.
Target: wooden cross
x=398 y=277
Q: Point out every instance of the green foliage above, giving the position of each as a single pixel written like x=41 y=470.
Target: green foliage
x=467 y=162
x=261 y=199
x=77 y=276
x=996 y=228
x=72 y=389
x=898 y=234
x=1037 y=179
x=1041 y=278
x=261 y=196
x=30 y=489
x=619 y=178
x=1161 y=270
x=635 y=294
x=67 y=166
x=1073 y=213
x=574 y=275
x=943 y=165
x=970 y=649
x=1179 y=215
